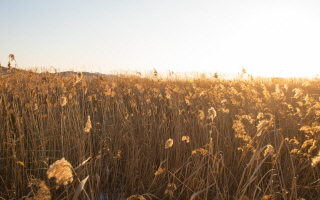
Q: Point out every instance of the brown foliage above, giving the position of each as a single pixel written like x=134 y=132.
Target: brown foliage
x=250 y=139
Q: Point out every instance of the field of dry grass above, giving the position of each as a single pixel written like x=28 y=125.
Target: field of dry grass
x=126 y=137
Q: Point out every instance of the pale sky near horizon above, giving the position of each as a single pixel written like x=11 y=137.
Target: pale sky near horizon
x=266 y=37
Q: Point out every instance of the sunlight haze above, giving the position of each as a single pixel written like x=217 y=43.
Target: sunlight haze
x=267 y=38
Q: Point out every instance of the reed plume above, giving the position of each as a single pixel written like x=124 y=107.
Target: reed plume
x=61 y=170
x=63 y=101
x=186 y=139
x=169 y=143
x=315 y=160
x=88 y=125
x=42 y=193
x=212 y=113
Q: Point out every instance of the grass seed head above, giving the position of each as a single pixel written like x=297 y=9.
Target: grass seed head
x=159 y=171
x=269 y=150
x=315 y=160
x=185 y=138
x=88 y=125
x=63 y=101
x=260 y=115
x=201 y=151
x=35 y=107
x=212 y=113
x=78 y=78
x=43 y=192
x=61 y=170
x=171 y=187
x=169 y=143
x=307 y=143
x=201 y=114
x=118 y=155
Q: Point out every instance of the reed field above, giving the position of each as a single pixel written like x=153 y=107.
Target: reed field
x=131 y=137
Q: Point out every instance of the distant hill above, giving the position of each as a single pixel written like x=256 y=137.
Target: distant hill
x=64 y=73
x=3 y=69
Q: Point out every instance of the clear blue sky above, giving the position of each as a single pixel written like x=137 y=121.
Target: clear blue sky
x=263 y=36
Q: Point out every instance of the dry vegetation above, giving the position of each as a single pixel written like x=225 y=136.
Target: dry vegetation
x=128 y=137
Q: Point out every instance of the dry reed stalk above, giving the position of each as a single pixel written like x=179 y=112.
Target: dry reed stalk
x=80 y=188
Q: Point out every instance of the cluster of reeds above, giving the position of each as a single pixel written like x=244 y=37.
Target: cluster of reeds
x=130 y=137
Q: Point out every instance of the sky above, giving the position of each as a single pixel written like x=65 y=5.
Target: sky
x=278 y=38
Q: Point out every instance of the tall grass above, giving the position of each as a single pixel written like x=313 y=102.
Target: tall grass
x=127 y=137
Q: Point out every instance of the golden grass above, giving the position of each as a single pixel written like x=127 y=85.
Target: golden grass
x=130 y=137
